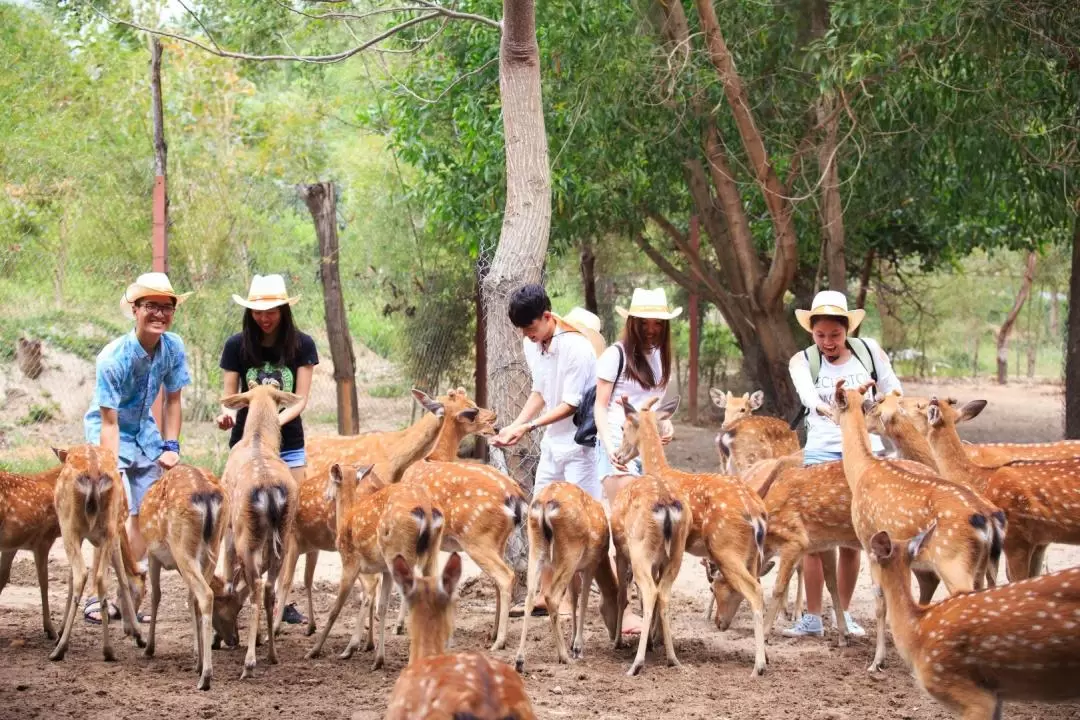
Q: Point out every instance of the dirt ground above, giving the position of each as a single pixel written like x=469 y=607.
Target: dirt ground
x=805 y=679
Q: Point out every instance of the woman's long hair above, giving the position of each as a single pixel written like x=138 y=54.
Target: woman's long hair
x=637 y=361
x=287 y=341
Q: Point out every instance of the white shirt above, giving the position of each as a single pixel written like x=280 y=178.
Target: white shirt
x=561 y=374
x=607 y=365
x=822 y=434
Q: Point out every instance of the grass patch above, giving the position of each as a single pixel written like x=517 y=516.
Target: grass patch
x=77 y=333
x=29 y=466
x=43 y=413
x=390 y=390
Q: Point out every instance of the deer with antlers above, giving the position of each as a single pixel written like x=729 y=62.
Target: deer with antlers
x=745 y=438
x=1041 y=500
x=900 y=499
x=90 y=505
x=568 y=535
x=28 y=521
x=727 y=520
x=973 y=651
x=440 y=686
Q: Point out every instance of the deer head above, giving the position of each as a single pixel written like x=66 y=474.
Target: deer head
x=736 y=408
x=631 y=439
x=430 y=605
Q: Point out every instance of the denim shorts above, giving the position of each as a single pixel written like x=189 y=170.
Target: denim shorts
x=294 y=458
x=815 y=457
x=138 y=476
x=604 y=468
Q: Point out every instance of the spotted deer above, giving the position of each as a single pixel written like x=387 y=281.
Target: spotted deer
x=182 y=520
x=396 y=520
x=745 y=438
x=1041 y=499
x=315 y=528
x=28 y=521
x=448 y=686
x=902 y=499
x=972 y=652
x=90 y=505
x=262 y=498
x=726 y=520
x=568 y=534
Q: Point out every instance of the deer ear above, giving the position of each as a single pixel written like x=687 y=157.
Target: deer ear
x=668 y=409
x=335 y=474
x=237 y=401
x=868 y=405
x=881 y=546
x=719 y=399
x=361 y=471
x=61 y=454
x=933 y=416
x=432 y=406
x=468 y=415
x=757 y=399
x=921 y=539
x=451 y=573
x=840 y=397
x=631 y=412
x=403 y=574
x=971 y=410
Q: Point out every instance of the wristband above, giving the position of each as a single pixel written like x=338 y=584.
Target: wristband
x=170 y=446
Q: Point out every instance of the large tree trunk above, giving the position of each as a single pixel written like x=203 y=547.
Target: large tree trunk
x=588 y=276
x=160 y=239
x=322 y=204
x=1010 y=319
x=480 y=449
x=832 y=211
x=523 y=241
x=1072 y=343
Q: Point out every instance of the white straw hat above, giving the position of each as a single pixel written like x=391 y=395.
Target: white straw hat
x=151 y=284
x=649 y=304
x=587 y=324
x=830 y=303
x=266 y=292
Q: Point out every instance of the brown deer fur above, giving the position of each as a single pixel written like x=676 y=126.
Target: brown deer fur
x=91 y=505
x=886 y=495
x=726 y=519
x=262 y=500
x=28 y=522
x=1041 y=500
x=398 y=519
x=182 y=520
x=568 y=534
x=746 y=439
x=973 y=651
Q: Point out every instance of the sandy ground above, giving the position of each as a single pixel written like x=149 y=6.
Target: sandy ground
x=805 y=679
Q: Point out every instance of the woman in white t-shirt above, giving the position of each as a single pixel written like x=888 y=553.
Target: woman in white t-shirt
x=836 y=356
x=644 y=352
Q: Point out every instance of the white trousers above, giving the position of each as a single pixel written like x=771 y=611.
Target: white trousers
x=573 y=463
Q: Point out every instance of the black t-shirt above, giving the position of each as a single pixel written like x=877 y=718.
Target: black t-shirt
x=269 y=372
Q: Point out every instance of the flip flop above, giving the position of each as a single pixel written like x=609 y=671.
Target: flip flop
x=93 y=605
x=519 y=611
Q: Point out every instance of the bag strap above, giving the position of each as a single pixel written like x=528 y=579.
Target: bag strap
x=858 y=347
x=622 y=357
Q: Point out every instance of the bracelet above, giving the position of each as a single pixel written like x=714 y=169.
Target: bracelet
x=170 y=446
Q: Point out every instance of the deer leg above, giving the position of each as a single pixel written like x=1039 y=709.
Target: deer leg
x=384 y=601
x=6 y=558
x=371 y=587
x=1017 y=559
x=789 y=560
x=664 y=601
x=155 y=602
x=561 y=577
x=878 y=663
x=349 y=571
x=258 y=594
x=76 y=585
x=288 y=570
x=359 y=635
x=489 y=561
x=968 y=700
x=127 y=605
x=531 y=583
x=746 y=585
x=311 y=559
x=273 y=571
x=928 y=584
x=800 y=594
x=581 y=591
x=828 y=569
x=1038 y=561
x=41 y=564
x=202 y=607
x=98 y=574
x=642 y=566
x=621 y=601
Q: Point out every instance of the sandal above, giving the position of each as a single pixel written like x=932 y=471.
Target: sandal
x=519 y=611
x=92 y=607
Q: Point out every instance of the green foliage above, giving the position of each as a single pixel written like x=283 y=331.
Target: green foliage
x=40 y=413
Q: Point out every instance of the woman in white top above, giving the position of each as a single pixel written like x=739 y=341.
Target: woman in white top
x=644 y=352
x=815 y=372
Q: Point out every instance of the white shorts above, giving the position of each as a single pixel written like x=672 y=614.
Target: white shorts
x=573 y=463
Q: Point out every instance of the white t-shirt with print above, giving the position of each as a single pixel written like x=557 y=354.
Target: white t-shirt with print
x=561 y=374
x=822 y=434
x=606 y=367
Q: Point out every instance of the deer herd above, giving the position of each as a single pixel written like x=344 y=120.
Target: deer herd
x=941 y=509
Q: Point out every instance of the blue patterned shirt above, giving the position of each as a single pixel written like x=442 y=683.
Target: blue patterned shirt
x=127 y=381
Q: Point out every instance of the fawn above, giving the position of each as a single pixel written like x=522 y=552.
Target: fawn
x=183 y=519
x=448 y=687
x=726 y=520
x=396 y=520
x=315 y=528
x=746 y=439
x=262 y=500
x=1038 y=497
x=28 y=521
x=973 y=651
x=568 y=534
x=901 y=499
x=91 y=505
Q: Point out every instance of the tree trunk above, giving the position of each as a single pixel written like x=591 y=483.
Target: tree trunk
x=523 y=241
x=1072 y=343
x=322 y=204
x=160 y=233
x=832 y=210
x=480 y=448
x=975 y=359
x=588 y=276
x=1054 y=328
x=1010 y=319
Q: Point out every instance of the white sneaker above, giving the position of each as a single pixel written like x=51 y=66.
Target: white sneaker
x=854 y=629
x=807 y=626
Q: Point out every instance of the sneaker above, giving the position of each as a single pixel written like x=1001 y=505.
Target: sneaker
x=292 y=615
x=854 y=629
x=808 y=625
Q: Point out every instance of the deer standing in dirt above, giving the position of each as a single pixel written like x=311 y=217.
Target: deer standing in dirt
x=1041 y=500
x=971 y=652
x=396 y=520
x=568 y=534
x=315 y=528
x=183 y=519
x=745 y=438
x=902 y=499
x=448 y=687
x=262 y=499
x=28 y=522
x=90 y=505
x=726 y=519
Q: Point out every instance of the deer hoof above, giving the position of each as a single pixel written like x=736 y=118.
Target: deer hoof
x=204 y=682
x=519 y=665
x=310 y=630
x=634 y=669
x=249 y=671
x=377 y=665
x=148 y=652
x=108 y=654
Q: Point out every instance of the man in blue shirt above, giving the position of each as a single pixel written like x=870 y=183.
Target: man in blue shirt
x=130 y=369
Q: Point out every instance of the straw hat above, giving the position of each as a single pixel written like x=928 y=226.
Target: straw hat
x=649 y=304
x=831 y=304
x=266 y=292
x=587 y=324
x=151 y=284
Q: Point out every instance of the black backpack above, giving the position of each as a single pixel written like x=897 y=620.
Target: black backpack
x=584 y=417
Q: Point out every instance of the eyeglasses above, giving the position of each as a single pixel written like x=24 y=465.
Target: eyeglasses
x=158 y=309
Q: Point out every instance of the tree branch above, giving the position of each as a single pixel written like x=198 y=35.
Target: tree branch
x=678 y=276
x=697 y=268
